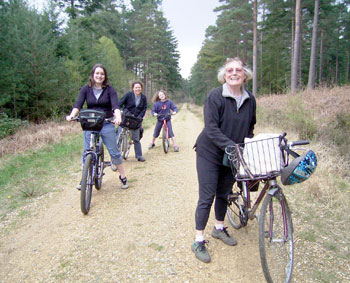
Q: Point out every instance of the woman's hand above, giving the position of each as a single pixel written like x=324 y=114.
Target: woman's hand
x=117 y=117
x=73 y=114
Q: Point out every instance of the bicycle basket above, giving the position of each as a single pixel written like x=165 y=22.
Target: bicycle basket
x=131 y=122
x=91 y=120
x=257 y=158
x=300 y=169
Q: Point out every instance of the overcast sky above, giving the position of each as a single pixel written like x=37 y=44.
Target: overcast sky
x=188 y=19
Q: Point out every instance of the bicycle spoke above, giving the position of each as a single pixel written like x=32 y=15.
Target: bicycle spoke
x=276 y=239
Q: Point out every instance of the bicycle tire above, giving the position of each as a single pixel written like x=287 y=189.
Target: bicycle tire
x=126 y=144
x=165 y=140
x=100 y=167
x=120 y=143
x=233 y=211
x=86 y=184
x=276 y=250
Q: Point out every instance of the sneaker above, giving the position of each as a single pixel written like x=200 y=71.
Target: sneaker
x=124 y=182
x=201 y=251
x=78 y=187
x=114 y=167
x=151 y=145
x=224 y=236
x=176 y=148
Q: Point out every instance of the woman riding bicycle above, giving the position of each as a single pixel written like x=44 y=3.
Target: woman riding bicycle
x=134 y=102
x=100 y=95
x=229 y=117
x=161 y=108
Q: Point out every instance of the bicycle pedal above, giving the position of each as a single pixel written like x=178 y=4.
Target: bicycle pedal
x=106 y=164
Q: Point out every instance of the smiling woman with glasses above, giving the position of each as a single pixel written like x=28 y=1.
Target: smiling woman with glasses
x=229 y=117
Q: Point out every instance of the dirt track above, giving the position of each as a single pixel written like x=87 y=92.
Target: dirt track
x=142 y=234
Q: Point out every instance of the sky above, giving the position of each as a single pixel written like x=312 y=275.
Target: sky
x=188 y=19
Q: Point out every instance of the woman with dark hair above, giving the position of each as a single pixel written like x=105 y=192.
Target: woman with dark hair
x=134 y=103
x=229 y=117
x=100 y=95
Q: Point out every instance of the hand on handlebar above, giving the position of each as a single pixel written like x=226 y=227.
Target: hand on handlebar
x=69 y=118
x=155 y=114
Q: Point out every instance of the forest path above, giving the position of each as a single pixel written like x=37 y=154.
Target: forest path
x=143 y=234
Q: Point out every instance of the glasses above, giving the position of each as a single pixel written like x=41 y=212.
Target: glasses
x=234 y=70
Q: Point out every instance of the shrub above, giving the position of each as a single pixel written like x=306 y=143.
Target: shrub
x=9 y=126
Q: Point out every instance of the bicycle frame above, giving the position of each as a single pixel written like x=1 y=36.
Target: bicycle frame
x=93 y=150
x=165 y=126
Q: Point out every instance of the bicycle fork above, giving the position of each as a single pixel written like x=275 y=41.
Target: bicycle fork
x=276 y=191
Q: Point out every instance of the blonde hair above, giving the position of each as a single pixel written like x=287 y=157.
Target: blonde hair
x=156 y=96
x=221 y=73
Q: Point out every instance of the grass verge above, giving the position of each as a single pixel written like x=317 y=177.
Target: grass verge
x=36 y=172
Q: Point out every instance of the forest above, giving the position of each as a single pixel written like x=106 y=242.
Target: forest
x=46 y=55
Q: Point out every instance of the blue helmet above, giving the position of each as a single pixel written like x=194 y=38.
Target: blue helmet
x=300 y=169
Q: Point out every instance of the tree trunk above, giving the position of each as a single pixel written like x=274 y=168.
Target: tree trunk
x=337 y=61
x=296 y=48
x=311 y=82
x=255 y=49
x=321 y=59
x=293 y=36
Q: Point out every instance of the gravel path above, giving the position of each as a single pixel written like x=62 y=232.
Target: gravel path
x=142 y=234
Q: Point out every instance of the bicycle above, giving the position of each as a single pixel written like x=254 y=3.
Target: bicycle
x=263 y=161
x=165 y=131
x=93 y=157
x=124 y=142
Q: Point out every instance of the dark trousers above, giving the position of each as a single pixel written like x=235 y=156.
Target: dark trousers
x=135 y=135
x=159 y=126
x=215 y=181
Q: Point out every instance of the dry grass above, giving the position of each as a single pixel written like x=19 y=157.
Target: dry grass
x=319 y=204
x=37 y=136
x=324 y=103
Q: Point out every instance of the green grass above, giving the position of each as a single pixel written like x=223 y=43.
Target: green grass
x=35 y=173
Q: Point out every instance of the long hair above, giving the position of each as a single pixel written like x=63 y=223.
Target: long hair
x=92 y=82
x=156 y=96
x=221 y=73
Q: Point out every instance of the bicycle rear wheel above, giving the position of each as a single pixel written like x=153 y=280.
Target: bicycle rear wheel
x=87 y=182
x=120 y=142
x=276 y=238
x=234 y=206
x=100 y=167
x=165 y=140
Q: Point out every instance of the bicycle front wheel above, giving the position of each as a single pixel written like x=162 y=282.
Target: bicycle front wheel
x=100 y=167
x=87 y=182
x=165 y=140
x=126 y=145
x=276 y=238
x=235 y=207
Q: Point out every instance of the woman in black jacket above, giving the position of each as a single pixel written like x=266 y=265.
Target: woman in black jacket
x=135 y=102
x=100 y=95
x=229 y=117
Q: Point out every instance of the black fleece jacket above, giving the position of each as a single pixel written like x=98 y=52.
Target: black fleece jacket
x=127 y=102
x=107 y=102
x=224 y=124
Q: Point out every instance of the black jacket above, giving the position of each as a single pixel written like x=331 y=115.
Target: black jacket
x=224 y=124
x=127 y=102
x=107 y=102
